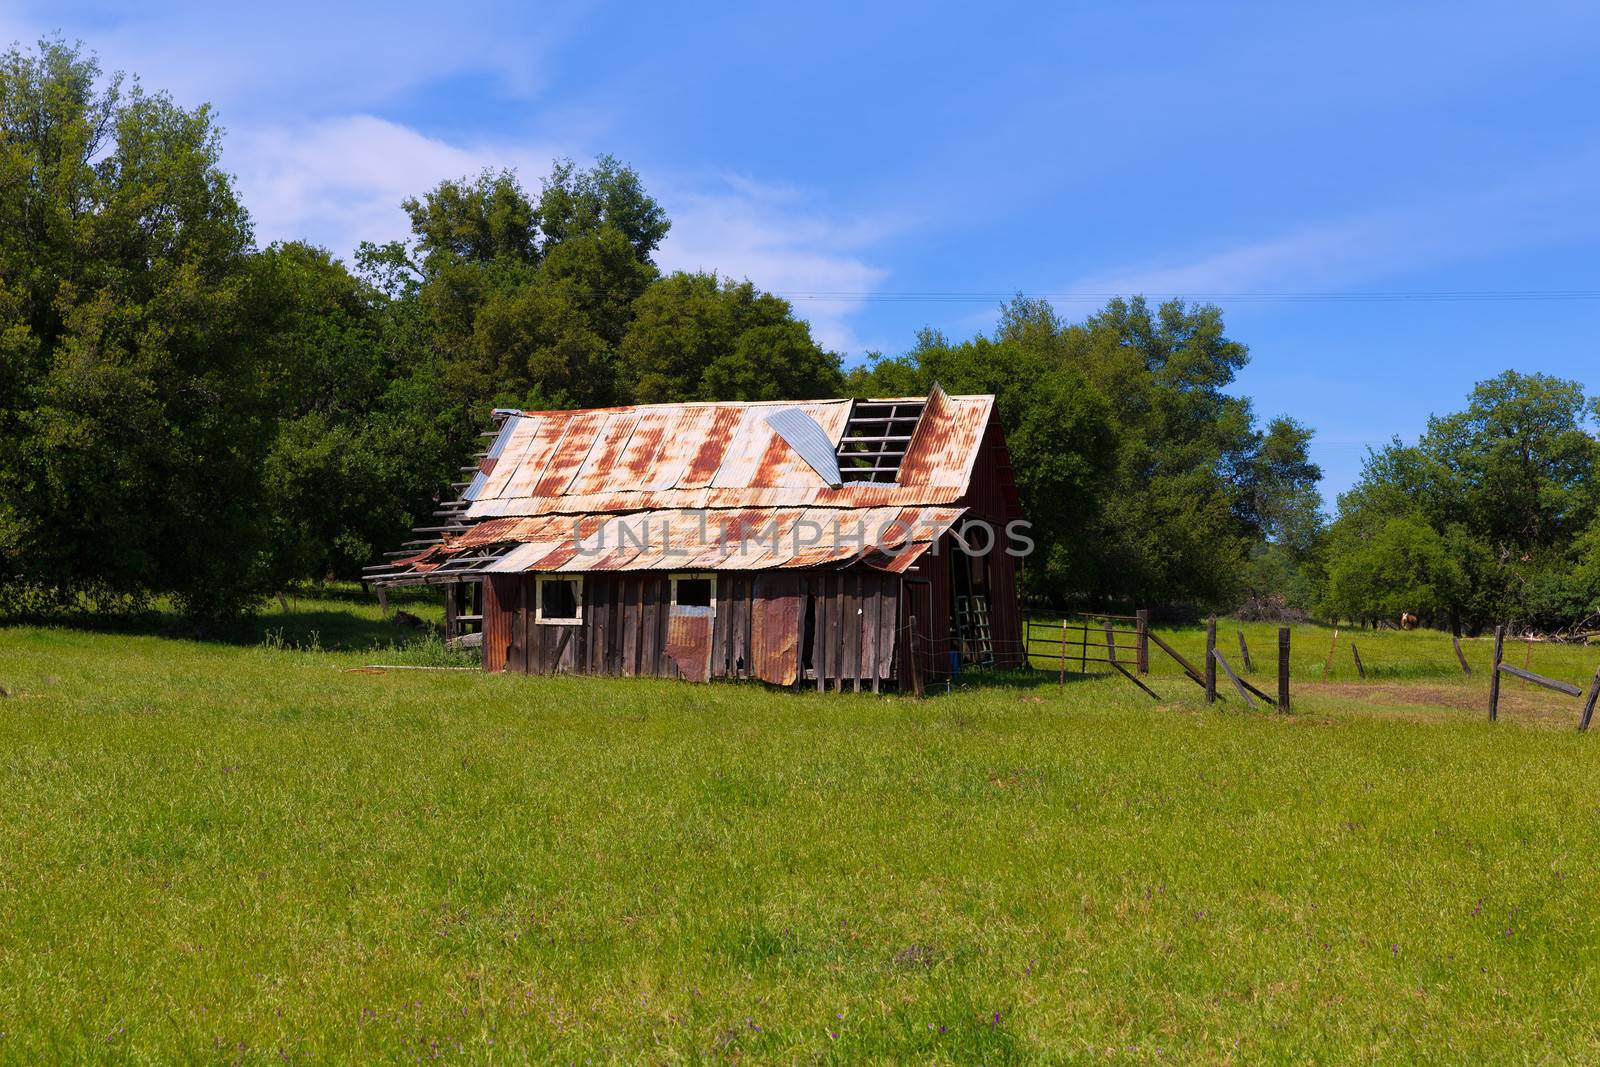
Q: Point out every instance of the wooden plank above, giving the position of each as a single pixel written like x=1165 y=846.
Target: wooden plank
x=850 y=617
x=1455 y=641
x=888 y=625
x=1189 y=668
x=614 y=632
x=649 y=643
x=1211 y=660
x=1356 y=652
x=874 y=622
x=630 y=626
x=747 y=631
x=839 y=634
x=1539 y=679
x=664 y=668
x=722 y=631
x=1494 y=672
x=1283 y=668
x=1589 y=701
x=1111 y=642
x=820 y=643
x=561 y=647
x=1129 y=675
x=1217 y=658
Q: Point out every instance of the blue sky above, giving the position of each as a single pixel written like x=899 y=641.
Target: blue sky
x=1389 y=202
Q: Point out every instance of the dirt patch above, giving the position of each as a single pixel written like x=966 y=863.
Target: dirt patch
x=1518 y=702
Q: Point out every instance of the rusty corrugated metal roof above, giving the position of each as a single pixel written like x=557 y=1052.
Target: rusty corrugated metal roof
x=889 y=538
x=709 y=455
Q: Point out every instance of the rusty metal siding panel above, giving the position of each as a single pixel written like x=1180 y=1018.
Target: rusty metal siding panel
x=777 y=613
x=689 y=645
x=499 y=612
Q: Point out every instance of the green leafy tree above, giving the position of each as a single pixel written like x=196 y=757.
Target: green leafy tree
x=693 y=338
x=130 y=414
x=1152 y=482
x=1509 y=484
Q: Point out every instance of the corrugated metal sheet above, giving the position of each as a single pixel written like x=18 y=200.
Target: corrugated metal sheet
x=801 y=433
x=677 y=456
x=890 y=538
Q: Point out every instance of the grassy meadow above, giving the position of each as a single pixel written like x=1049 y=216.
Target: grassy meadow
x=258 y=851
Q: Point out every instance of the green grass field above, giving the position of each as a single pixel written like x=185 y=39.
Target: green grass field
x=214 y=852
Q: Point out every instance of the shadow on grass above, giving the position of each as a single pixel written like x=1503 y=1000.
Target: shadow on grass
x=334 y=617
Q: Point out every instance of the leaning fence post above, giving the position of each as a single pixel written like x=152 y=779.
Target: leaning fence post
x=1356 y=652
x=1211 y=660
x=1142 y=621
x=1244 y=653
x=1588 y=704
x=1283 y=668
x=1455 y=639
x=1494 y=673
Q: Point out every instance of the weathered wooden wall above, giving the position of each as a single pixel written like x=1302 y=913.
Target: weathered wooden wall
x=758 y=630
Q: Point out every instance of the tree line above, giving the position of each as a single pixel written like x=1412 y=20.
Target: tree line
x=188 y=415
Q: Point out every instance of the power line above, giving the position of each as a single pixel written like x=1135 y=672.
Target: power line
x=1437 y=296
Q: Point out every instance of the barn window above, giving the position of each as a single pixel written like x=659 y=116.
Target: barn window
x=558 y=600
x=694 y=594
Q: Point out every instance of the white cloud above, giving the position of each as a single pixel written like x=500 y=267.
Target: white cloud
x=337 y=182
x=744 y=229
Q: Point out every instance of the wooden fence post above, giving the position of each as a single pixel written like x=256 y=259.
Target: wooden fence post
x=1455 y=639
x=1494 y=673
x=1142 y=622
x=1283 y=668
x=1061 y=679
x=1328 y=666
x=1527 y=660
x=383 y=600
x=1111 y=641
x=1588 y=704
x=1356 y=652
x=1211 y=660
x=1244 y=653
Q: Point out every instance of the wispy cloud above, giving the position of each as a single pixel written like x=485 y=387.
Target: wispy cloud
x=772 y=236
x=315 y=57
x=340 y=181
x=1542 y=205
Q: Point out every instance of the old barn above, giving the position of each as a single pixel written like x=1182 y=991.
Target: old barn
x=836 y=543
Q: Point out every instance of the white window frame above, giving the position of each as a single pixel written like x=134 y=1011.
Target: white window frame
x=538 y=599
x=674 y=608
